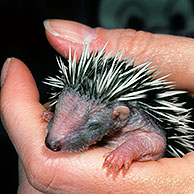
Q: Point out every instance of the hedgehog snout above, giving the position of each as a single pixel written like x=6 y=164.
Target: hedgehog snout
x=53 y=145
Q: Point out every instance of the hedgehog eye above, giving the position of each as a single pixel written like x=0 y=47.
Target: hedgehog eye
x=94 y=125
x=121 y=113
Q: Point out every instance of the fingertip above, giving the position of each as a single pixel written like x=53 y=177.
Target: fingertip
x=69 y=30
x=62 y=33
x=17 y=81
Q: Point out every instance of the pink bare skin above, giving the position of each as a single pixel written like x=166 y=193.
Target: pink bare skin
x=43 y=171
x=139 y=146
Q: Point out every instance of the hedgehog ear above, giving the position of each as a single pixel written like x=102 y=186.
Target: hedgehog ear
x=121 y=113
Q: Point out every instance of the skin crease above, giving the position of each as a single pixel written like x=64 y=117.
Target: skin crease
x=43 y=171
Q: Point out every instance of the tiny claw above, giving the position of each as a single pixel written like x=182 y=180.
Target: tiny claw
x=105 y=163
x=106 y=154
x=126 y=165
x=117 y=168
x=110 y=166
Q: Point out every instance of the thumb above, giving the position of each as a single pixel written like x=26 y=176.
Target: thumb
x=172 y=54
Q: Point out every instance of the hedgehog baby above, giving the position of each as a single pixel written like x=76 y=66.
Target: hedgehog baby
x=106 y=98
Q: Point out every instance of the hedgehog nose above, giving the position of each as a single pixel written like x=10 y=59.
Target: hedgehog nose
x=53 y=145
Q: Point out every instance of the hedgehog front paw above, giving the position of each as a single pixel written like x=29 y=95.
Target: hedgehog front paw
x=117 y=159
x=46 y=115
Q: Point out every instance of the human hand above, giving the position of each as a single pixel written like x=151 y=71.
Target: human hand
x=42 y=170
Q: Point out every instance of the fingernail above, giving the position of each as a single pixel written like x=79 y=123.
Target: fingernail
x=5 y=70
x=71 y=31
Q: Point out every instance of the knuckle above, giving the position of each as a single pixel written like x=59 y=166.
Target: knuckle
x=135 y=42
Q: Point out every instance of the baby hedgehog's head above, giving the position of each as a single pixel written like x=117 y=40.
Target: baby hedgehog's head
x=79 y=122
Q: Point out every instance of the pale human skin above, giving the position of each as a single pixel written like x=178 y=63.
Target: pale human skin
x=44 y=171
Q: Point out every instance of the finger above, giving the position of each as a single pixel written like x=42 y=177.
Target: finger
x=20 y=112
x=19 y=97
x=75 y=173
x=172 y=54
